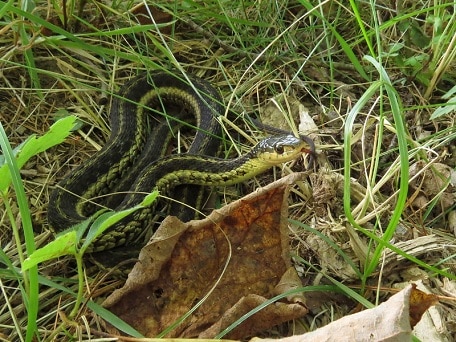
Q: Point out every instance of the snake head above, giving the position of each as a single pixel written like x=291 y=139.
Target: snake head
x=279 y=149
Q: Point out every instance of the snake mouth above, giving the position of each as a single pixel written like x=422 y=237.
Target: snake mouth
x=311 y=153
x=306 y=150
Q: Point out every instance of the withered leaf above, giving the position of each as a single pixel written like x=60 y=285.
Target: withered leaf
x=148 y=15
x=182 y=263
x=419 y=303
x=389 y=321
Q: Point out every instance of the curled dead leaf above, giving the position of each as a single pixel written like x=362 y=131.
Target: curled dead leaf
x=390 y=321
x=220 y=267
x=419 y=303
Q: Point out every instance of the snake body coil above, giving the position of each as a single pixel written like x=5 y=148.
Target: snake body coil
x=133 y=162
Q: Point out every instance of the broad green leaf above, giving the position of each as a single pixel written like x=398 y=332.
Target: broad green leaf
x=16 y=151
x=450 y=107
x=62 y=245
x=56 y=135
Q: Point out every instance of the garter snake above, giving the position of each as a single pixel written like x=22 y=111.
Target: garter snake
x=133 y=161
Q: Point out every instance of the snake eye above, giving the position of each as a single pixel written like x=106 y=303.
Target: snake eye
x=279 y=149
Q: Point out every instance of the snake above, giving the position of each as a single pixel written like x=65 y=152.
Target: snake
x=146 y=113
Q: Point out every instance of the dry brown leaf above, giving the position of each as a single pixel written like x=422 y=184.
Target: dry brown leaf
x=145 y=13
x=264 y=319
x=182 y=263
x=433 y=324
x=291 y=281
x=419 y=303
x=390 y=321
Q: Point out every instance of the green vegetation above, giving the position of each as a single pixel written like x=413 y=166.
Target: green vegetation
x=378 y=82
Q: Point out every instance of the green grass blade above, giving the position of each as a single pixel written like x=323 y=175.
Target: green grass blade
x=30 y=297
x=402 y=138
x=359 y=19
